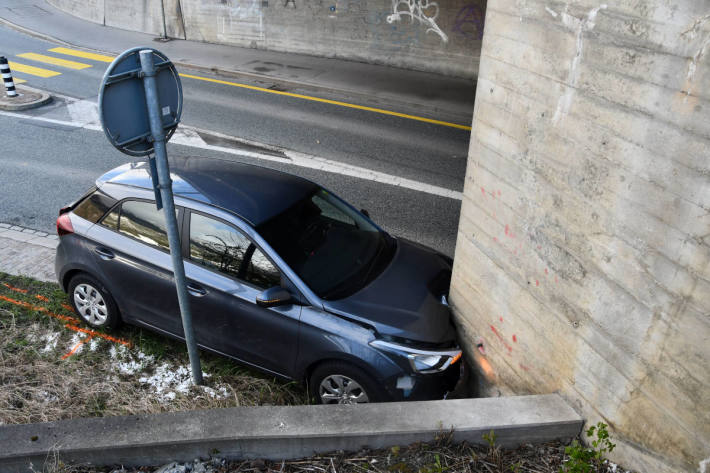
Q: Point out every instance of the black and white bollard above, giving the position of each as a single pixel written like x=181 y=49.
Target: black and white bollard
x=7 y=77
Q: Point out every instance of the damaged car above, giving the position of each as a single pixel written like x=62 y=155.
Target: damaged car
x=283 y=276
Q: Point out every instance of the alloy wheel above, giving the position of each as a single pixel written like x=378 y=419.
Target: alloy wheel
x=90 y=304
x=339 y=389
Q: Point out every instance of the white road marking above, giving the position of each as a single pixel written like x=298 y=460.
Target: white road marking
x=84 y=114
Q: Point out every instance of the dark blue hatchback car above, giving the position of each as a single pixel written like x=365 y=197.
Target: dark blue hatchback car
x=283 y=276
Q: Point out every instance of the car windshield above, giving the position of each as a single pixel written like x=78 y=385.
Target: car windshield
x=332 y=248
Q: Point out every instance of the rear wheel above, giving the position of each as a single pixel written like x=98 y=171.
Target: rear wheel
x=341 y=383
x=93 y=302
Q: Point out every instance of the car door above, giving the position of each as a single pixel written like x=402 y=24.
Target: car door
x=226 y=271
x=131 y=249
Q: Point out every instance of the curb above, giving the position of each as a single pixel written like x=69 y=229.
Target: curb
x=281 y=433
x=6 y=102
x=443 y=114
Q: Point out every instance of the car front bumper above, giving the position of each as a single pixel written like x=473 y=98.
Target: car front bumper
x=425 y=387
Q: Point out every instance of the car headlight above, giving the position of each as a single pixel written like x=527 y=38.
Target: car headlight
x=421 y=361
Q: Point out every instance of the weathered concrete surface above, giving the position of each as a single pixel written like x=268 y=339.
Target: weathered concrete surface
x=441 y=37
x=283 y=432
x=583 y=255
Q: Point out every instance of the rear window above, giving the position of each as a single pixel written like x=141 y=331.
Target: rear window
x=93 y=207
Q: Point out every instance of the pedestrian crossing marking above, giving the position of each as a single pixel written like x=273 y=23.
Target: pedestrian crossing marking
x=32 y=70
x=84 y=54
x=55 y=61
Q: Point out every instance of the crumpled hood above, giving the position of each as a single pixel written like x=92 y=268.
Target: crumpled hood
x=405 y=300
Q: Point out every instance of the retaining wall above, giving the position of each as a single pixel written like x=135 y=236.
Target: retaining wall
x=441 y=37
x=582 y=263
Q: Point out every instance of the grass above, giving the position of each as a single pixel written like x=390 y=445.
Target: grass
x=42 y=380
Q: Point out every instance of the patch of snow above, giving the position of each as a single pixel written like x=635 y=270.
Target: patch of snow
x=44 y=396
x=167 y=382
x=219 y=393
x=94 y=344
x=127 y=363
x=75 y=341
x=51 y=340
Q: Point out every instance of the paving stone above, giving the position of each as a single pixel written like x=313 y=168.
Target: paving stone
x=21 y=258
x=28 y=230
x=18 y=235
x=15 y=227
x=43 y=234
x=4 y=225
x=45 y=242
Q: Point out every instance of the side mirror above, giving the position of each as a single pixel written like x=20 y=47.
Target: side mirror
x=365 y=213
x=273 y=297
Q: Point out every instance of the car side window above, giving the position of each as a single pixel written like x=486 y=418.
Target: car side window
x=94 y=207
x=142 y=221
x=221 y=247
x=261 y=272
x=111 y=219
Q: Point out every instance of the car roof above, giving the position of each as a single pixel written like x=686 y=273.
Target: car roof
x=254 y=193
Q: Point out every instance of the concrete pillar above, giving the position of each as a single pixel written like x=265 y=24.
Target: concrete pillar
x=583 y=255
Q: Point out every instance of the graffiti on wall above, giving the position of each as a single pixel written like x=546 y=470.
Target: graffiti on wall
x=424 y=11
x=469 y=21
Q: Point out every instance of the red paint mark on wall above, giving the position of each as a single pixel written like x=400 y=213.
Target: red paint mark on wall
x=499 y=193
x=483 y=191
x=523 y=367
x=537 y=283
x=546 y=271
x=501 y=319
x=515 y=339
x=500 y=337
x=495 y=239
x=507 y=229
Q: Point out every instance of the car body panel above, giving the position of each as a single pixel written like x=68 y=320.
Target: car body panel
x=399 y=302
x=255 y=193
x=268 y=337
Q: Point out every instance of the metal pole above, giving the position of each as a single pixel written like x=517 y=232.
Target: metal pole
x=162 y=10
x=166 y=192
x=7 y=77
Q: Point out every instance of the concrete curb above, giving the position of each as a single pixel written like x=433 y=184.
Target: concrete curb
x=383 y=100
x=16 y=104
x=277 y=433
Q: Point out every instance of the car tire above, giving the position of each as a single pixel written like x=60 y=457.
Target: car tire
x=93 y=302
x=336 y=382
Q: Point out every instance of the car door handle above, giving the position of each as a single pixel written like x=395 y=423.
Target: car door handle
x=195 y=290
x=104 y=253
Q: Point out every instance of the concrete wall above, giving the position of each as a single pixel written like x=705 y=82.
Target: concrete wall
x=443 y=37
x=582 y=262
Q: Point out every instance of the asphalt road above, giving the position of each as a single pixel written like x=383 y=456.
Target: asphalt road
x=46 y=165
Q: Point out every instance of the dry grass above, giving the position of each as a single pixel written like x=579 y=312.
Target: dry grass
x=38 y=385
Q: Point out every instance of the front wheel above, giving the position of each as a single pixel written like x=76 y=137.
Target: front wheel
x=93 y=302
x=341 y=383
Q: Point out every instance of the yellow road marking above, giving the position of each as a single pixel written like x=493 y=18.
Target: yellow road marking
x=84 y=54
x=32 y=70
x=332 y=102
x=55 y=61
x=104 y=58
x=17 y=80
